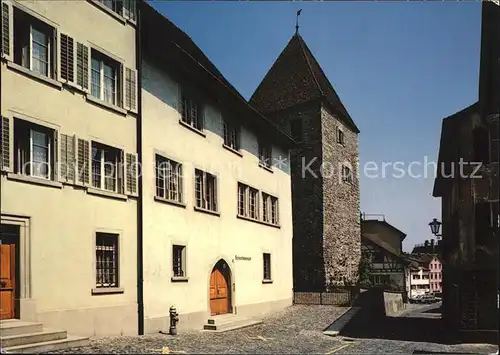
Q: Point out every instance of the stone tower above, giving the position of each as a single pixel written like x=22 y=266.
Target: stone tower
x=299 y=98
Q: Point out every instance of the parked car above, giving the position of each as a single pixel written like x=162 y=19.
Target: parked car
x=428 y=299
x=415 y=299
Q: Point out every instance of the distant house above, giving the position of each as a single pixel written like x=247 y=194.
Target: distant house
x=423 y=275
x=381 y=243
x=428 y=247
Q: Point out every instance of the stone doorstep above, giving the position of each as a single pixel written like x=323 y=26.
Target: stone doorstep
x=17 y=336
x=224 y=323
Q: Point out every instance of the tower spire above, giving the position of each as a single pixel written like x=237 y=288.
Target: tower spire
x=297 y=21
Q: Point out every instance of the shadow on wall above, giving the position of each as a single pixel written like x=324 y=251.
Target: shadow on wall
x=372 y=322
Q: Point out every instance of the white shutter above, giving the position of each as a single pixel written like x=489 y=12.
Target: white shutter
x=7 y=43
x=82 y=66
x=131 y=176
x=83 y=162
x=7 y=146
x=63 y=158
x=66 y=158
x=66 y=58
x=130 y=92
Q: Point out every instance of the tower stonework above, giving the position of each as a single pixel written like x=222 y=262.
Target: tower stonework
x=296 y=95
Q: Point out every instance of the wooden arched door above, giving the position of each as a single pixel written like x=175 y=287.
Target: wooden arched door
x=220 y=299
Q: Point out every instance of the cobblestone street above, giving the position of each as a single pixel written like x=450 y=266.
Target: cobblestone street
x=297 y=330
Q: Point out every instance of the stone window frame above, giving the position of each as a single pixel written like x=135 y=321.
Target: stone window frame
x=340 y=136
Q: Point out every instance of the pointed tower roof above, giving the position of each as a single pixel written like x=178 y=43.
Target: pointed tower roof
x=295 y=78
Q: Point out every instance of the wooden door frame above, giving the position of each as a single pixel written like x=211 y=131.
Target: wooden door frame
x=13 y=239
x=23 y=258
x=230 y=286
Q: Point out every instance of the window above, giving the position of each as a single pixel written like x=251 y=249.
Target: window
x=104 y=83
x=106 y=162
x=378 y=257
x=33 y=150
x=190 y=113
x=106 y=260
x=270 y=209
x=114 y=5
x=416 y=277
x=340 y=136
x=179 y=260
x=33 y=44
x=346 y=174
x=168 y=179
x=248 y=201
x=206 y=190
x=267 y=266
x=296 y=129
x=126 y=8
x=265 y=154
x=231 y=136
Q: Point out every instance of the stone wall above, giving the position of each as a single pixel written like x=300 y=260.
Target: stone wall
x=307 y=198
x=326 y=222
x=341 y=220
x=393 y=302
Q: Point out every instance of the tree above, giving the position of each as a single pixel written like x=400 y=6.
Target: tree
x=365 y=270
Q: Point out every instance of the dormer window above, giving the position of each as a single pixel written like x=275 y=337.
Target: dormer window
x=231 y=135
x=265 y=155
x=191 y=113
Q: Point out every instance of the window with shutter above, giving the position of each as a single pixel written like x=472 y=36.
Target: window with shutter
x=6 y=136
x=67 y=58
x=83 y=162
x=82 y=66
x=106 y=162
x=105 y=78
x=67 y=158
x=34 y=147
x=7 y=24
x=130 y=89
x=33 y=44
x=131 y=174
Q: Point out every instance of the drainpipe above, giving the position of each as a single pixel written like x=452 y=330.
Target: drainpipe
x=140 y=266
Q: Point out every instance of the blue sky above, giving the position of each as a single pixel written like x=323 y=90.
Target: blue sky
x=398 y=67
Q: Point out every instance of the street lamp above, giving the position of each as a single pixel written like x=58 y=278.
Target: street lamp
x=435 y=225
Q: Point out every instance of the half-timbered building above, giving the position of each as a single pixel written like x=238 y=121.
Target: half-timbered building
x=381 y=243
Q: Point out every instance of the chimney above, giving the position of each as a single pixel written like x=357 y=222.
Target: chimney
x=426 y=243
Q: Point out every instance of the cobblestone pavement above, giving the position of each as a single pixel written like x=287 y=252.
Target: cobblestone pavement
x=296 y=330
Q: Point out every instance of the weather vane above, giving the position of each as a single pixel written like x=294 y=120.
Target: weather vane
x=297 y=21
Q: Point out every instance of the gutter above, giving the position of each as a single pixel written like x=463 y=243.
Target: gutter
x=140 y=236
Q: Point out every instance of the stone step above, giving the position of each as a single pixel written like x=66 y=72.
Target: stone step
x=53 y=345
x=336 y=327
x=225 y=323
x=14 y=327
x=30 y=338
